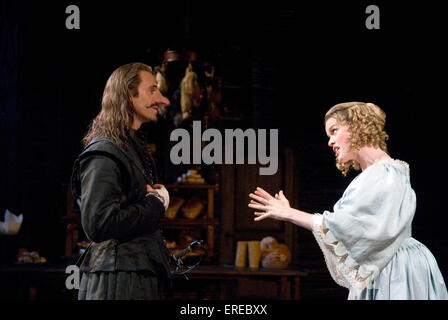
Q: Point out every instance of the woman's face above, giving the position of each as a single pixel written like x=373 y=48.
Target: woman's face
x=339 y=140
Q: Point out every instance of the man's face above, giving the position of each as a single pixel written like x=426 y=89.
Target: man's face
x=148 y=100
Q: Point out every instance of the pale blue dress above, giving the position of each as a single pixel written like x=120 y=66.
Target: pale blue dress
x=367 y=241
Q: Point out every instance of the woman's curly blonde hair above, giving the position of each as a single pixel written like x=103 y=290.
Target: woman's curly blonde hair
x=116 y=116
x=366 y=123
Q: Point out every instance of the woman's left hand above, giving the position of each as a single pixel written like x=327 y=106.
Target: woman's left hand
x=270 y=207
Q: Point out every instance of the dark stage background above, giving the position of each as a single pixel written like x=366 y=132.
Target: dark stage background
x=291 y=62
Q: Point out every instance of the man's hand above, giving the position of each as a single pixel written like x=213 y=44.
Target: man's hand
x=161 y=191
x=153 y=189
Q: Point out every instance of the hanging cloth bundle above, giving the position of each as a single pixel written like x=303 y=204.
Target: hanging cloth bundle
x=190 y=92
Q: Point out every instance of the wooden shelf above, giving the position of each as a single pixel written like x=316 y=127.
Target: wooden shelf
x=207 y=222
x=190 y=186
x=178 y=223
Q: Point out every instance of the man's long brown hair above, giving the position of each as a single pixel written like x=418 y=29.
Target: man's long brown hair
x=116 y=116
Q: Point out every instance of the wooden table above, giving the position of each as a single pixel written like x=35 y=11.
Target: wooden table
x=284 y=277
x=288 y=280
x=32 y=275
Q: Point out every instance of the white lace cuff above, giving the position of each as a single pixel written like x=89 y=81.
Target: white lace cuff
x=163 y=193
x=343 y=269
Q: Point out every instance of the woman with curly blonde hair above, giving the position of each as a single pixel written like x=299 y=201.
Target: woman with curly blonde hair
x=366 y=240
x=366 y=123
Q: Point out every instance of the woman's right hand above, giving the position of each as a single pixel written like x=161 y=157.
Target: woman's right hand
x=280 y=196
x=276 y=208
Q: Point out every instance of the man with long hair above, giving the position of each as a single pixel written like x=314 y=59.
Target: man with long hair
x=121 y=207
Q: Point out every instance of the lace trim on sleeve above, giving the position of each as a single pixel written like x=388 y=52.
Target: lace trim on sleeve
x=344 y=270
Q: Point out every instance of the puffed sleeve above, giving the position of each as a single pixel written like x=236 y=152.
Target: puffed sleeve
x=101 y=215
x=367 y=225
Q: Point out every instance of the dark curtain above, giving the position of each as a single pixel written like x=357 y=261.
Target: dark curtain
x=289 y=62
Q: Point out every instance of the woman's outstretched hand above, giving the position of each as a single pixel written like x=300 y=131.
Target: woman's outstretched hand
x=270 y=207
